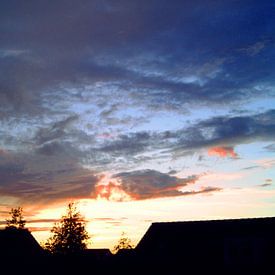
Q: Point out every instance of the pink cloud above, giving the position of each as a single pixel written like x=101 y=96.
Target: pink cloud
x=223 y=151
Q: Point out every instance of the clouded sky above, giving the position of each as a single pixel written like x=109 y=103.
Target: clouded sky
x=139 y=110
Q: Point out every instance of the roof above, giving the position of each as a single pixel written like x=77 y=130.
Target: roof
x=171 y=234
x=15 y=241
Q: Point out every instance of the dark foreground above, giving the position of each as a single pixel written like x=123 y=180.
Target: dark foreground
x=124 y=265
x=223 y=247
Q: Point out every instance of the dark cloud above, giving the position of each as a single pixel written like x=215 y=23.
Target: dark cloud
x=265 y=185
x=57 y=148
x=47 y=48
x=268 y=182
x=222 y=132
x=128 y=144
x=172 y=172
x=56 y=131
x=234 y=130
x=148 y=184
x=11 y=168
x=36 y=188
x=32 y=177
x=227 y=132
x=203 y=190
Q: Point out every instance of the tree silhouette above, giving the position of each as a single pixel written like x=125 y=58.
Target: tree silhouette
x=17 y=219
x=69 y=235
x=123 y=243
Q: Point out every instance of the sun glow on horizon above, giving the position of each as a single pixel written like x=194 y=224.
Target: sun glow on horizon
x=106 y=219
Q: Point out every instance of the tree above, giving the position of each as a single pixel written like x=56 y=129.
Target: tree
x=17 y=219
x=69 y=235
x=123 y=243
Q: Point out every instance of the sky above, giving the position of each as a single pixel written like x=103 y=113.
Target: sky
x=139 y=111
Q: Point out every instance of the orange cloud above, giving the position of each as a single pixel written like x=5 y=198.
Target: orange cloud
x=224 y=151
x=111 y=191
x=145 y=184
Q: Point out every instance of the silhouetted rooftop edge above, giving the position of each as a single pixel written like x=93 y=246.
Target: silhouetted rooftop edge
x=171 y=233
x=216 y=220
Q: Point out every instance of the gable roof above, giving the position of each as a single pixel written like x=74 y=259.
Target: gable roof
x=172 y=234
x=16 y=242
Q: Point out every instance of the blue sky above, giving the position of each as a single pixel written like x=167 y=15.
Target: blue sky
x=130 y=101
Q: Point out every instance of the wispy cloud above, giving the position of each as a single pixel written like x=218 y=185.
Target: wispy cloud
x=254 y=49
x=268 y=182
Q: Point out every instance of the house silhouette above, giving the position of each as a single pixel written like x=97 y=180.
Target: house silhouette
x=236 y=246
x=18 y=243
x=20 y=252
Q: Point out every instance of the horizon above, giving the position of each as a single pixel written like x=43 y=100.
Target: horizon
x=140 y=112
x=111 y=248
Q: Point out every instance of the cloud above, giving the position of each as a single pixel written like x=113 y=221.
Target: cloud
x=111 y=191
x=266 y=163
x=52 y=165
x=262 y=164
x=218 y=135
x=57 y=148
x=127 y=144
x=222 y=152
x=265 y=185
x=254 y=49
x=149 y=184
x=11 y=52
x=71 y=185
x=172 y=172
x=203 y=190
x=270 y=147
x=121 y=49
x=101 y=69
x=43 y=221
x=29 y=177
x=39 y=229
x=268 y=182
x=108 y=219
x=251 y=167
x=34 y=221
x=56 y=131
x=226 y=132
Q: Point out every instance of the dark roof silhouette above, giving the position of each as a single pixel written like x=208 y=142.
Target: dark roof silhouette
x=171 y=234
x=233 y=246
x=18 y=242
